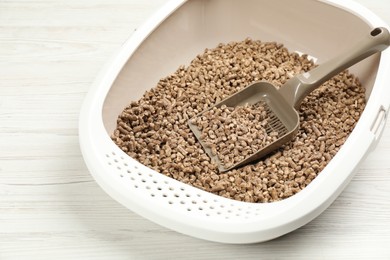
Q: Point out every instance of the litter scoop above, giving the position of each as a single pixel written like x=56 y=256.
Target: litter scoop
x=282 y=104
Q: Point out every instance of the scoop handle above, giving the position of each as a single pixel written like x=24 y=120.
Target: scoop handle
x=298 y=87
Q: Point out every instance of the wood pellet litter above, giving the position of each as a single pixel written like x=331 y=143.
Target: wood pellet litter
x=154 y=129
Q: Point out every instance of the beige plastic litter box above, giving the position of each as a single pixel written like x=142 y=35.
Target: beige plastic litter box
x=173 y=37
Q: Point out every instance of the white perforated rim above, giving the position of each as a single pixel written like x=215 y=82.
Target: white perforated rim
x=181 y=196
x=198 y=213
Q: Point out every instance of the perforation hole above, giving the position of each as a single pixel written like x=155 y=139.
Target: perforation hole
x=376 y=32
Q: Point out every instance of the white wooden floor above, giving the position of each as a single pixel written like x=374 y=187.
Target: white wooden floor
x=51 y=208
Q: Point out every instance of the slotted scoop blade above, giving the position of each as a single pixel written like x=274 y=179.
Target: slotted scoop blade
x=282 y=118
x=282 y=104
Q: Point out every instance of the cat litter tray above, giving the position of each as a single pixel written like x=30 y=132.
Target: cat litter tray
x=173 y=37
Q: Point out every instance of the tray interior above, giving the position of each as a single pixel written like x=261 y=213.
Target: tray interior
x=306 y=26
